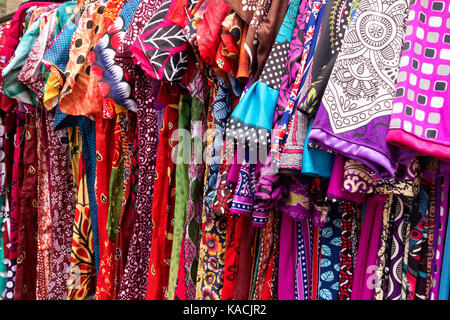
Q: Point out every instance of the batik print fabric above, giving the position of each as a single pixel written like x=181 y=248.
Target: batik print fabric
x=383 y=250
x=81 y=282
x=132 y=286
x=364 y=278
x=11 y=87
x=348 y=240
x=284 y=123
x=44 y=218
x=113 y=179
x=212 y=257
x=221 y=108
x=25 y=285
x=358 y=178
x=159 y=259
x=142 y=15
x=3 y=208
x=214 y=226
x=16 y=190
x=413 y=270
x=351 y=106
x=330 y=256
x=418 y=122
x=62 y=201
x=112 y=79
x=16 y=32
x=306 y=22
x=187 y=275
x=31 y=72
x=266 y=253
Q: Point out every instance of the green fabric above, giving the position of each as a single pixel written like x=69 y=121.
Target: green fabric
x=181 y=190
x=11 y=87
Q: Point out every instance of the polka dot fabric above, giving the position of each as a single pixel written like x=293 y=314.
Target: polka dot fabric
x=81 y=94
x=274 y=67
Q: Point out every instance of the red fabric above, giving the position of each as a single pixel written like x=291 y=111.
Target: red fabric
x=8 y=148
x=315 y=264
x=163 y=197
x=177 y=13
x=234 y=231
x=208 y=30
x=267 y=291
x=127 y=215
x=244 y=271
x=25 y=287
x=104 y=136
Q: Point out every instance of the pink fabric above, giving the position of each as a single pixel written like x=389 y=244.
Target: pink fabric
x=286 y=269
x=366 y=258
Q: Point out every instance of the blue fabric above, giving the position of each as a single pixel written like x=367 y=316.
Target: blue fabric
x=87 y=130
x=287 y=28
x=257 y=106
x=330 y=238
x=318 y=23
x=128 y=11
x=63 y=14
x=316 y=162
x=58 y=53
x=221 y=108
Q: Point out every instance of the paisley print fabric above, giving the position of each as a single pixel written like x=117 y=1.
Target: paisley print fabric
x=44 y=218
x=158 y=267
x=346 y=111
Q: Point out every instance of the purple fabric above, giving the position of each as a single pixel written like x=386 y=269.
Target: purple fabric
x=366 y=259
x=336 y=190
x=354 y=114
x=366 y=144
x=293 y=61
x=286 y=268
x=297 y=205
